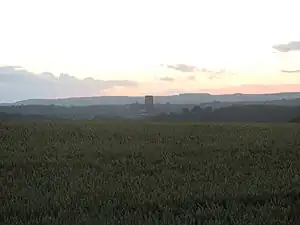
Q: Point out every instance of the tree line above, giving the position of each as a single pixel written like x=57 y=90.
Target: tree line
x=238 y=113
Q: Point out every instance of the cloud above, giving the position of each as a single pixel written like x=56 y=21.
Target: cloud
x=290 y=71
x=16 y=83
x=167 y=79
x=291 y=46
x=213 y=74
x=181 y=67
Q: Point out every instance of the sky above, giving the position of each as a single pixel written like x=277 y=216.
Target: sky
x=137 y=47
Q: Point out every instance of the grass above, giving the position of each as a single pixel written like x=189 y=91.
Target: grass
x=148 y=173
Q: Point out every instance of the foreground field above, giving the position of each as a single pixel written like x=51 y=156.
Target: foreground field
x=146 y=173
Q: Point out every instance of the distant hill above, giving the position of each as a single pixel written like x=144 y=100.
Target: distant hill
x=188 y=98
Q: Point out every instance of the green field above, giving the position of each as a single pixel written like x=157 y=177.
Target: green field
x=148 y=173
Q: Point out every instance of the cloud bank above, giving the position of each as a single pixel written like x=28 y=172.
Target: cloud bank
x=291 y=46
x=17 y=83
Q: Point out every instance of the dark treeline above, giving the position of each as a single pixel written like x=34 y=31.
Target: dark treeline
x=10 y=116
x=236 y=113
x=239 y=113
x=131 y=111
x=54 y=111
x=296 y=120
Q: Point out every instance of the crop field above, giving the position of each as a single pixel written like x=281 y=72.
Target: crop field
x=142 y=173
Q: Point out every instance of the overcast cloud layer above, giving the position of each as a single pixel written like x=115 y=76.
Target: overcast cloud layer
x=17 y=83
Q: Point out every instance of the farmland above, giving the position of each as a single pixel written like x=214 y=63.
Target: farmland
x=148 y=173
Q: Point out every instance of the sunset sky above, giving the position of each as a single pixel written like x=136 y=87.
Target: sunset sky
x=162 y=46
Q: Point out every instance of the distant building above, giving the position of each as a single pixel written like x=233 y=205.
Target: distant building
x=149 y=103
